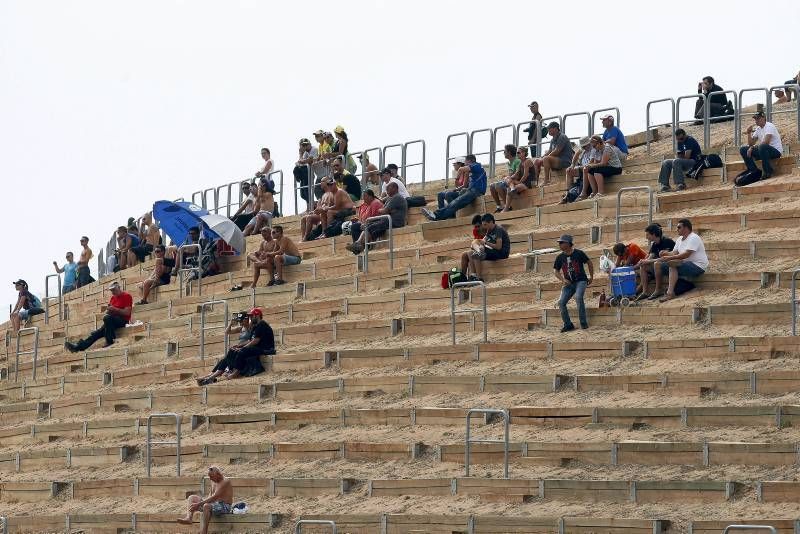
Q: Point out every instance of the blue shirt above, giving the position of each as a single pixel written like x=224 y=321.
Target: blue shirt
x=690 y=143
x=615 y=132
x=477 y=178
x=69 y=274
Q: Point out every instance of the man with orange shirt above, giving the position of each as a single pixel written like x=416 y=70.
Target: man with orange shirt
x=118 y=314
x=628 y=255
x=370 y=207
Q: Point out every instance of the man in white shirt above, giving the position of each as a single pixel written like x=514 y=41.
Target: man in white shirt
x=687 y=260
x=764 y=143
x=386 y=178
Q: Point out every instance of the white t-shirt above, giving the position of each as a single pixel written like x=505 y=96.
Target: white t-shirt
x=401 y=188
x=252 y=206
x=775 y=139
x=268 y=167
x=695 y=244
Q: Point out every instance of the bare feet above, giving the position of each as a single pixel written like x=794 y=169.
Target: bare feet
x=184 y=521
x=666 y=297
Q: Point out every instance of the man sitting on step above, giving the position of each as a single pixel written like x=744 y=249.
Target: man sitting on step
x=687 y=155
x=475 y=188
x=219 y=501
x=396 y=207
x=687 y=260
x=764 y=143
x=118 y=314
x=495 y=245
x=443 y=198
x=244 y=359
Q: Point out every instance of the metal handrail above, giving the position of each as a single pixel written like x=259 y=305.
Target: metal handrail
x=447 y=156
x=363 y=174
x=47 y=298
x=795 y=273
x=4 y=523
x=406 y=165
x=402 y=152
x=194 y=195
x=203 y=327
x=677 y=121
x=707 y=116
x=183 y=270
x=309 y=187
x=229 y=202
x=482 y=309
x=770 y=113
x=576 y=114
x=471 y=145
x=388 y=240
x=298 y=526
x=150 y=442
x=649 y=207
x=34 y=350
x=280 y=190
x=505 y=441
x=537 y=144
x=738 y=121
x=672 y=124
x=496 y=151
x=770 y=528
x=598 y=111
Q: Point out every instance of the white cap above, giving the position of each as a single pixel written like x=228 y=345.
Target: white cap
x=459 y=160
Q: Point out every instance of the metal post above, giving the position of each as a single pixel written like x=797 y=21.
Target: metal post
x=495 y=151
x=738 y=126
x=150 y=442
x=34 y=350
x=195 y=195
x=537 y=137
x=795 y=273
x=796 y=89
x=363 y=174
x=183 y=270
x=750 y=527
x=203 y=327
x=471 y=145
x=388 y=240
x=298 y=526
x=47 y=298
x=707 y=116
x=482 y=309
x=406 y=165
x=649 y=206
x=4 y=524
x=677 y=121
x=279 y=172
x=505 y=441
x=448 y=158
x=309 y=188
x=672 y=124
x=598 y=111
x=402 y=152
x=577 y=114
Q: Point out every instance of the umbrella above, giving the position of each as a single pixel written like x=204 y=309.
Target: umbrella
x=175 y=218
x=226 y=229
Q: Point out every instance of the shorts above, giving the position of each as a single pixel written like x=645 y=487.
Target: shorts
x=67 y=289
x=267 y=214
x=24 y=314
x=163 y=280
x=500 y=185
x=142 y=251
x=494 y=255
x=686 y=269
x=221 y=508
x=288 y=259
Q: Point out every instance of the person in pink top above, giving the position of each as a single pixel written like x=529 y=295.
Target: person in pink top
x=370 y=207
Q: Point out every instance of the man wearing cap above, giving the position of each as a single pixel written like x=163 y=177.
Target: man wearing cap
x=474 y=189
x=536 y=117
x=687 y=155
x=386 y=177
x=309 y=155
x=764 y=143
x=84 y=274
x=569 y=269
x=70 y=273
x=614 y=137
x=244 y=359
x=445 y=197
x=219 y=501
x=245 y=212
x=118 y=314
x=27 y=305
x=559 y=156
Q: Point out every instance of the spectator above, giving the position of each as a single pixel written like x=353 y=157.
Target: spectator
x=369 y=170
x=396 y=207
x=688 y=154
x=219 y=501
x=370 y=207
x=559 y=156
x=577 y=173
x=124 y=253
x=411 y=200
x=248 y=206
x=445 y=197
x=268 y=167
x=495 y=245
x=323 y=146
x=149 y=237
x=311 y=219
x=512 y=166
x=477 y=239
x=244 y=359
x=27 y=305
x=160 y=275
x=309 y=155
x=334 y=216
x=628 y=255
x=520 y=181
x=84 y=274
x=118 y=314
x=395 y=171
x=265 y=206
x=341 y=149
x=569 y=269
x=387 y=176
x=614 y=137
x=475 y=188
x=345 y=180
x=604 y=163
x=70 y=270
x=188 y=256
x=533 y=126
x=763 y=143
x=785 y=95
x=658 y=243
x=240 y=324
x=719 y=104
x=285 y=253
x=687 y=259
x=262 y=258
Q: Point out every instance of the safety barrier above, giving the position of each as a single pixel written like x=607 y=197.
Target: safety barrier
x=298 y=526
x=482 y=309
x=182 y=271
x=448 y=158
x=406 y=165
x=150 y=442
x=34 y=351
x=770 y=112
x=47 y=298
x=388 y=240
x=489 y=152
x=648 y=123
x=203 y=328
x=468 y=441
x=619 y=207
x=596 y=112
x=3 y=524
x=499 y=148
x=750 y=527
x=795 y=273
x=577 y=114
x=362 y=175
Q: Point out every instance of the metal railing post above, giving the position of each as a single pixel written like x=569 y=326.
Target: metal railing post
x=596 y=112
x=707 y=116
x=194 y=197
x=576 y=114
x=495 y=150
x=406 y=165
x=34 y=351
x=388 y=240
x=448 y=157
x=279 y=172
x=183 y=270
x=619 y=207
x=482 y=309
x=363 y=174
x=203 y=307
x=677 y=121
x=796 y=88
x=4 y=524
x=750 y=527
x=738 y=126
x=471 y=145
x=395 y=145
x=795 y=274
x=150 y=442
x=47 y=298
x=648 y=124
x=298 y=526
x=537 y=137
x=505 y=441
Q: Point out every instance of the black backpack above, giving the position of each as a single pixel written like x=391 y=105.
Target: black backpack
x=709 y=161
x=747 y=177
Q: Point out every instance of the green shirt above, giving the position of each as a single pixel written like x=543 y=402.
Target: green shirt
x=513 y=166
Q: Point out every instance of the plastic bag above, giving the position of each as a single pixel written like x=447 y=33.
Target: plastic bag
x=606 y=263
x=240 y=508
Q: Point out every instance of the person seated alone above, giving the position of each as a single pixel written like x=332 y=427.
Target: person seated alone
x=476 y=187
x=397 y=209
x=718 y=104
x=284 y=253
x=519 y=182
x=219 y=501
x=605 y=163
x=687 y=260
x=495 y=245
x=559 y=156
x=262 y=257
x=239 y=325
x=443 y=198
x=160 y=276
x=265 y=207
x=118 y=314
x=370 y=207
x=244 y=359
x=687 y=155
x=645 y=268
x=27 y=305
x=70 y=270
x=763 y=143
x=628 y=255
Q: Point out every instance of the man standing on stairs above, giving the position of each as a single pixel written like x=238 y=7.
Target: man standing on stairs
x=569 y=269
x=764 y=143
x=476 y=188
x=688 y=154
x=118 y=314
x=84 y=274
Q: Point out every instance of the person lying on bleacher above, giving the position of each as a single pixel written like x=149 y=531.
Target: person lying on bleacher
x=396 y=207
x=613 y=137
x=658 y=242
x=443 y=198
x=125 y=243
x=118 y=314
x=559 y=156
x=265 y=207
x=313 y=218
x=628 y=255
x=219 y=501
x=262 y=257
x=285 y=253
x=763 y=143
x=239 y=325
x=244 y=359
x=687 y=259
x=70 y=273
x=27 y=305
x=475 y=188
x=687 y=155
x=520 y=181
x=495 y=245
x=160 y=275
x=84 y=274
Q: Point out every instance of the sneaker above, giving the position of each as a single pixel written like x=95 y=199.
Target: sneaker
x=568 y=328
x=655 y=296
x=279 y=282
x=498 y=209
x=472 y=278
x=584 y=326
x=142 y=302
x=349 y=246
x=70 y=346
x=681 y=187
x=766 y=176
x=428 y=214
x=665 y=189
x=109 y=344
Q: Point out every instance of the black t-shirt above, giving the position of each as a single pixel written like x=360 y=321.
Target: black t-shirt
x=350 y=182
x=665 y=244
x=266 y=339
x=571 y=266
x=498 y=232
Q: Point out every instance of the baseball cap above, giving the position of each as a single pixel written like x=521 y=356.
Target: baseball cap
x=459 y=160
x=339 y=128
x=554 y=124
x=585 y=141
x=21 y=282
x=255 y=311
x=566 y=238
x=319 y=132
x=385 y=170
x=607 y=116
x=305 y=141
x=758 y=115
x=114 y=285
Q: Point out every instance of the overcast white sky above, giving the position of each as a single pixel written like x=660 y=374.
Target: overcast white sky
x=106 y=106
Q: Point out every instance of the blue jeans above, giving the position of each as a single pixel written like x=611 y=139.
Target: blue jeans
x=464 y=199
x=764 y=152
x=445 y=197
x=576 y=289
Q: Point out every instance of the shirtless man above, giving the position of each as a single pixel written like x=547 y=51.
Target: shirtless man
x=265 y=206
x=307 y=222
x=369 y=170
x=160 y=275
x=149 y=237
x=262 y=258
x=520 y=181
x=84 y=276
x=285 y=253
x=125 y=244
x=342 y=207
x=219 y=501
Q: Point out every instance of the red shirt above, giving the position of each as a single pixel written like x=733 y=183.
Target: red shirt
x=633 y=255
x=365 y=211
x=123 y=300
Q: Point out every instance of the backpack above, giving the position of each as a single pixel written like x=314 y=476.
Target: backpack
x=747 y=177
x=682 y=286
x=709 y=161
x=34 y=301
x=453 y=276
